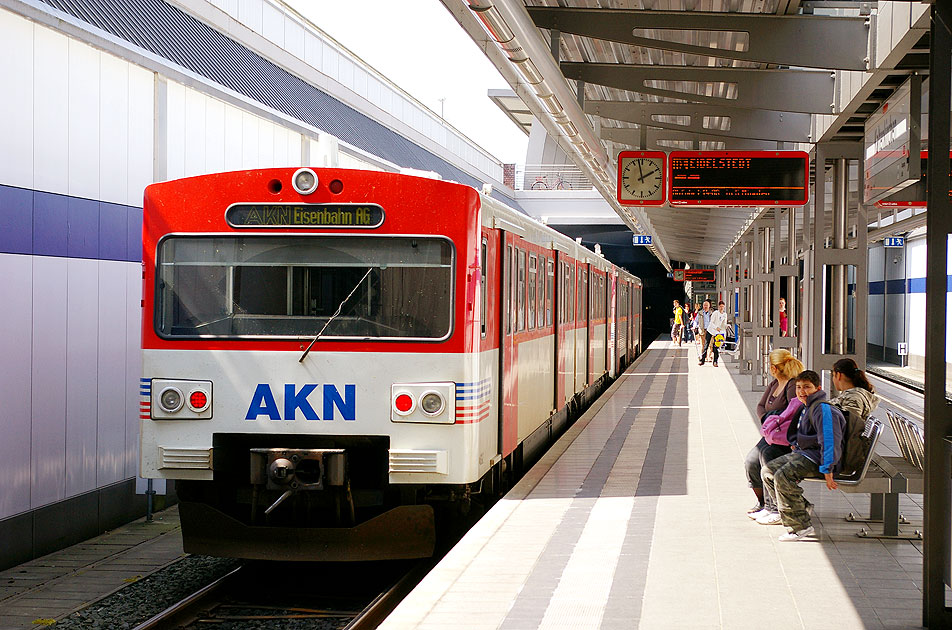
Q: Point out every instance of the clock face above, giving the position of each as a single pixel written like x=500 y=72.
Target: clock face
x=642 y=178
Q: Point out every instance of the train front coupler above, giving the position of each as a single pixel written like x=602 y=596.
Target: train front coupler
x=293 y=470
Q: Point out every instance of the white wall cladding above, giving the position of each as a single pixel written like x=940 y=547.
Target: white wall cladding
x=206 y=135
x=286 y=30
x=81 y=124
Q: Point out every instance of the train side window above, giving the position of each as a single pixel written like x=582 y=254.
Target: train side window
x=540 y=286
x=522 y=290
x=507 y=291
x=549 y=282
x=483 y=298
x=531 y=294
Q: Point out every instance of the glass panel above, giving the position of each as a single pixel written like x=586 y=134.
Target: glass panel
x=482 y=290
x=291 y=286
x=549 y=282
x=531 y=294
x=521 y=295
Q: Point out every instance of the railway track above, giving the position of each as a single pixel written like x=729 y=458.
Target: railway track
x=302 y=596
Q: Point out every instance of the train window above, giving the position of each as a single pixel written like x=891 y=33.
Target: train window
x=531 y=294
x=508 y=293
x=291 y=286
x=582 y=294
x=549 y=283
x=540 y=285
x=483 y=297
x=521 y=290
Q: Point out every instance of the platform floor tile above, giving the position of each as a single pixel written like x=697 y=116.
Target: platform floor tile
x=636 y=519
x=53 y=586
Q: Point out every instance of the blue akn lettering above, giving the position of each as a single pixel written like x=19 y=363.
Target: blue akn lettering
x=263 y=402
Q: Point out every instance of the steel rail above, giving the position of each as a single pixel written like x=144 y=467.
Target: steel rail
x=184 y=611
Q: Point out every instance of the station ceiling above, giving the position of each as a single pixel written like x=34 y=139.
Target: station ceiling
x=693 y=75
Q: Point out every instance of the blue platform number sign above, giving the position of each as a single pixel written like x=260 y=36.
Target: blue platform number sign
x=640 y=239
x=894 y=241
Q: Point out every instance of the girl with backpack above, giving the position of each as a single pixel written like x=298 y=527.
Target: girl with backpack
x=777 y=400
x=856 y=392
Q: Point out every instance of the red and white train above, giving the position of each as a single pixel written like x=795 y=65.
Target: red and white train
x=328 y=354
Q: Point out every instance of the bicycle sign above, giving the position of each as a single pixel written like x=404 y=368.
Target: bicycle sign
x=640 y=239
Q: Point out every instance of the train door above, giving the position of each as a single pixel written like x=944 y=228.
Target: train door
x=508 y=430
x=611 y=316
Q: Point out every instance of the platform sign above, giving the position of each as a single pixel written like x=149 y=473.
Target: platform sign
x=903 y=349
x=894 y=241
x=738 y=178
x=699 y=275
x=912 y=196
x=641 y=239
x=641 y=178
x=887 y=168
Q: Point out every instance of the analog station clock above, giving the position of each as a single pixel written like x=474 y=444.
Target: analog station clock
x=641 y=178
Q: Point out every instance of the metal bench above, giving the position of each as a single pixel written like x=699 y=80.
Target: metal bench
x=886 y=477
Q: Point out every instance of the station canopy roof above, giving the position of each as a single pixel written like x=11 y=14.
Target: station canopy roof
x=682 y=75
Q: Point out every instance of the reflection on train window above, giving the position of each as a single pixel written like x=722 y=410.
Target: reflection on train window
x=483 y=261
x=521 y=290
x=531 y=294
x=292 y=286
x=549 y=284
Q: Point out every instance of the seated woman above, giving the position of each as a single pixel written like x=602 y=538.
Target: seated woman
x=784 y=367
x=856 y=392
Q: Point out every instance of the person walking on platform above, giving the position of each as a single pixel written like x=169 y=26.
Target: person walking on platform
x=703 y=319
x=676 y=329
x=717 y=325
x=817 y=449
x=778 y=409
x=783 y=317
x=688 y=322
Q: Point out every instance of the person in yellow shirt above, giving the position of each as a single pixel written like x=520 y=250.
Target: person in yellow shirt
x=678 y=322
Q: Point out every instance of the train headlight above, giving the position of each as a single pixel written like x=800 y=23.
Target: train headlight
x=403 y=403
x=304 y=181
x=171 y=399
x=432 y=403
x=177 y=399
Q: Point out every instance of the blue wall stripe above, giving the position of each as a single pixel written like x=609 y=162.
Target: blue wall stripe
x=908 y=285
x=46 y=224
x=174 y=35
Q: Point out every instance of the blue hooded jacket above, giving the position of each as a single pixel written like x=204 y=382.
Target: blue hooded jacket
x=820 y=433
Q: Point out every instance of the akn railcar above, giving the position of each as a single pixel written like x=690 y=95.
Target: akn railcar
x=329 y=353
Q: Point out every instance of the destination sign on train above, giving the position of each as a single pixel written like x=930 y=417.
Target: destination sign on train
x=305 y=215
x=738 y=178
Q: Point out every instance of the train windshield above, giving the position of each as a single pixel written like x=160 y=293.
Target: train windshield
x=292 y=286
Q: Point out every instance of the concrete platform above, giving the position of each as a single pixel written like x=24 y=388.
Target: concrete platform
x=37 y=592
x=636 y=519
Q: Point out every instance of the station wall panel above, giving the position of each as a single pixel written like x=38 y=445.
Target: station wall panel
x=82 y=368
x=141 y=134
x=113 y=129
x=133 y=366
x=50 y=224
x=16 y=220
x=48 y=426
x=16 y=114
x=51 y=120
x=16 y=365
x=83 y=144
x=113 y=381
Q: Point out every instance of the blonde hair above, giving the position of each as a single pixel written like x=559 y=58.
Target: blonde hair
x=787 y=364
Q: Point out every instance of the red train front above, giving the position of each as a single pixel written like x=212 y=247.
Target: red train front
x=322 y=355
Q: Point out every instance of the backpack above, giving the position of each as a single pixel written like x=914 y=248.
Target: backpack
x=855 y=444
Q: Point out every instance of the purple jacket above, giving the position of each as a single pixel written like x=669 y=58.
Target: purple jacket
x=775 y=427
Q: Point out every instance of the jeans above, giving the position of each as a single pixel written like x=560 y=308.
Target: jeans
x=782 y=477
x=756 y=459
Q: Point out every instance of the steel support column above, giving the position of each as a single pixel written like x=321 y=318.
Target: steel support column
x=793 y=285
x=937 y=544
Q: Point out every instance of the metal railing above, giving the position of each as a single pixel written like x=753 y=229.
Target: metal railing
x=550 y=177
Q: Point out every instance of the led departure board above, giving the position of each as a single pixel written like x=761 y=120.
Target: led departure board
x=304 y=215
x=738 y=178
x=699 y=275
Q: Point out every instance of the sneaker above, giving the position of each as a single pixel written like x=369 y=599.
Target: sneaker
x=770 y=518
x=715 y=364
x=791 y=536
x=701 y=362
x=757 y=508
x=756 y=515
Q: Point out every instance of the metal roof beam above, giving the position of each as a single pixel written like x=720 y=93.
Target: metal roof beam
x=631 y=136
x=744 y=123
x=805 y=91
x=807 y=41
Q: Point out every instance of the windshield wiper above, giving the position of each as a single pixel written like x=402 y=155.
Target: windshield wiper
x=336 y=313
